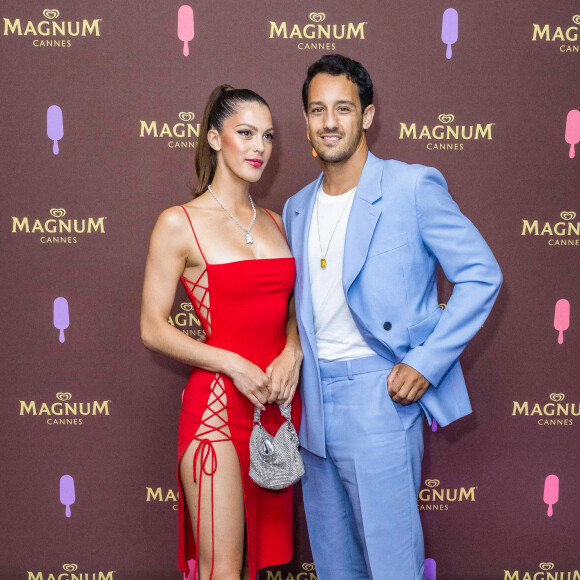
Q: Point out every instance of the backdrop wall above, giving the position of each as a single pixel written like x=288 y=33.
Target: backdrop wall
x=99 y=127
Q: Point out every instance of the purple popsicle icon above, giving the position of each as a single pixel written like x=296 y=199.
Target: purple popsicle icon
x=54 y=126
x=551 y=492
x=573 y=131
x=430 y=569
x=67 y=492
x=434 y=426
x=450 y=29
x=60 y=317
x=185 y=28
x=562 y=318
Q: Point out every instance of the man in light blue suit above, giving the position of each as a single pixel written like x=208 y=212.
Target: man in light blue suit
x=379 y=354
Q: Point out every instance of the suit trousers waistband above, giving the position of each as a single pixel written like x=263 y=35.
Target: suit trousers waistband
x=354 y=366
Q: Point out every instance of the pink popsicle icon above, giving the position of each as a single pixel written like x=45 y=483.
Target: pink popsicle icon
x=67 y=492
x=551 y=492
x=60 y=317
x=562 y=318
x=185 y=28
x=573 y=130
x=192 y=569
x=54 y=126
x=450 y=29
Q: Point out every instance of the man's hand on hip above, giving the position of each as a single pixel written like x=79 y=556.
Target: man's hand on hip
x=406 y=385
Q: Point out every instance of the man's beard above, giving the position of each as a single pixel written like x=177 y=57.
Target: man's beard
x=343 y=154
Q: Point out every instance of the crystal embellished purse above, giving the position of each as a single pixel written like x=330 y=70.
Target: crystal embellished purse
x=275 y=461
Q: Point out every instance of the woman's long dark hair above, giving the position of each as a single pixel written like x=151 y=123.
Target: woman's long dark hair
x=223 y=102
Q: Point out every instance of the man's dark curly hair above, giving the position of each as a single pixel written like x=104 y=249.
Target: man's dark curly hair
x=336 y=65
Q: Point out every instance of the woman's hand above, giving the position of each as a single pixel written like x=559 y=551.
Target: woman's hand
x=250 y=380
x=283 y=373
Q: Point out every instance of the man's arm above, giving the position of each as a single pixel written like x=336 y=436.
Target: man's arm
x=469 y=264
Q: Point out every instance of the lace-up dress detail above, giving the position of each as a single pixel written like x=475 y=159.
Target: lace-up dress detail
x=242 y=307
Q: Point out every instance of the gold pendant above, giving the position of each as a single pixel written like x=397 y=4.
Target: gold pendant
x=323 y=262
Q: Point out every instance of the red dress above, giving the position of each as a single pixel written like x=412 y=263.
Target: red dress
x=243 y=308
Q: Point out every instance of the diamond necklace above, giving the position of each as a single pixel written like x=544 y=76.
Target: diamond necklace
x=249 y=239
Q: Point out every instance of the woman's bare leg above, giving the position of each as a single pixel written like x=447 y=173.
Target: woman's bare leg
x=228 y=511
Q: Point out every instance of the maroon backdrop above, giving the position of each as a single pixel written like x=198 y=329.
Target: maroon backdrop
x=492 y=118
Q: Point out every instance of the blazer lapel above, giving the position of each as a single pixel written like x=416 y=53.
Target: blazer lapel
x=300 y=231
x=362 y=220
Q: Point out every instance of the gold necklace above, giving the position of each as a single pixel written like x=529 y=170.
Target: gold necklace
x=323 y=259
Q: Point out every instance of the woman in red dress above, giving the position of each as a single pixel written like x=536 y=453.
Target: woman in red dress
x=235 y=264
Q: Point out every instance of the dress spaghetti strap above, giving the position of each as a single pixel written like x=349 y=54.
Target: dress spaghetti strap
x=279 y=228
x=196 y=240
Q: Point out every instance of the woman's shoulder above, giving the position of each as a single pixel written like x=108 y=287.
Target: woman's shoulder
x=273 y=215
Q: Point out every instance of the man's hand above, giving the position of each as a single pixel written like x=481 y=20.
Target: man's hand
x=406 y=385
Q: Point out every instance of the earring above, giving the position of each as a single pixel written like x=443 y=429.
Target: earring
x=314 y=154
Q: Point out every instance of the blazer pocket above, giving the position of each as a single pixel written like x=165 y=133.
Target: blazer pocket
x=418 y=333
x=388 y=244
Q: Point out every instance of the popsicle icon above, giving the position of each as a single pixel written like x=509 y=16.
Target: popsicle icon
x=430 y=569
x=185 y=29
x=450 y=29
x=54 y=126
x=573 y=130
x=551 y=491
x=67 y=492
x=434 y=426
x=192 y=570
x=60 y=317
x=562 y=318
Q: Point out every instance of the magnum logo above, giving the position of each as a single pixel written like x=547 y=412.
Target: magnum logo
x=175 y=132
x=158 y=494
x=546 y=572
x=434 y=498
x=308 y=573
x=71 y=573
x=63 y=412
x=56 y=224
x=446 y=135
x=560 y=233
x=566 y=35
x=52 y=32
x=187 y=321
x=317 y=34
x=554 y=413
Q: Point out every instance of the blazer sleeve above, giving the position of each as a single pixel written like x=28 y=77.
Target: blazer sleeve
x=467 y=262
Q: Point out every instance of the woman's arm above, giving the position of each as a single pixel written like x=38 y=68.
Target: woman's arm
x=284 y=370
x=168 y=255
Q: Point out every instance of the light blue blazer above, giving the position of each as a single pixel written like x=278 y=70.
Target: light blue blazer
x=402 y=225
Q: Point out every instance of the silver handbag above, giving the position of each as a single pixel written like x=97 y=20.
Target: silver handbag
x=275 y=461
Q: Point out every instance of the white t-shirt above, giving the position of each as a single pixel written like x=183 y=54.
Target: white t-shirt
x=337 y=337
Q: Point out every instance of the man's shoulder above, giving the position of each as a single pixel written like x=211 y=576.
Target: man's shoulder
x=299 y=197
x=397 y=168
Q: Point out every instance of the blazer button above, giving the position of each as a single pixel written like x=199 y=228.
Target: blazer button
x=387 y=325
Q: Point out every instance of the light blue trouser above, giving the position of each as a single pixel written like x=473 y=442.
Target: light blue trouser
x=361 y=501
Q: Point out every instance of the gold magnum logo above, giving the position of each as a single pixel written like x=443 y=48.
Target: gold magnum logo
x=52 y=32
x=63 y=411
x=57 y=224
x=554 y=413
x=559 y=233
x=66 y=576
x=446 y=135
x=567 y=36
x=434 y=498
x=176 y=133
x=308 y=573
x=318 y=34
